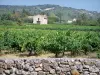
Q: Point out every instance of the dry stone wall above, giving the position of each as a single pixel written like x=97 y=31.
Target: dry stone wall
x=50 y=66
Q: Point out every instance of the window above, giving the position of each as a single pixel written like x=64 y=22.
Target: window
x=45 y=18
x=38 y=19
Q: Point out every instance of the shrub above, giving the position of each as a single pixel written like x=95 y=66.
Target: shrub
x=54 y=41
x=6 y=22
x=26 y=20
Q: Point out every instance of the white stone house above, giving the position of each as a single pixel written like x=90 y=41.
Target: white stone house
x=40 y=19
x=71 y=21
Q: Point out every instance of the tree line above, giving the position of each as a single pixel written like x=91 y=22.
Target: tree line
x=53 y=18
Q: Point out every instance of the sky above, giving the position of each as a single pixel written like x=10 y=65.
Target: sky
x=91 y=5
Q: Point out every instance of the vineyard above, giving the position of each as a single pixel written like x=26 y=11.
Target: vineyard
x=53 y=27
x=55 y=39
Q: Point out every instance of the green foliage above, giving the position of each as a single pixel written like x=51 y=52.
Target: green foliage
x=26 y=20
x=68 y=13
x=60 y=14
x=98 y=20
x=85 y=43
x=82 y=19
x=24 y=13
x=19 y=22
x=52 y=20
x=7 y=22
x=6 y=17
x=98 y=54
x=54 y=41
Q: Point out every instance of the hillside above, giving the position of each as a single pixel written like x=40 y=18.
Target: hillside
x=68 y=13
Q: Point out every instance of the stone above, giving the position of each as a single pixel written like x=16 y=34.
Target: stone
x=26 y=67
x=9 y=61
x=41 y=73
x=79 y=67
x=33 y=73
x=64 y=66
x=37 y=61
x=19 y=72
x=41 y=65
x=1 y=64
x=71 y=63
x=93 y=74
x=86 y=66
x=44 y=61
x=73 y=67
x=52 y=71
x=75 y=72
x=54 y=65
x=46 y=73
x=31 y=69
x=31 y=63
x=2 y=60
x=67 y=66
x=1 y=70
x=37 y=65
x=46 y=67
x=58 y=70
x=77 y=63
x=7 y=72
x=65 y=69
x=4 y=66
x=13 y=70
x=93 y=69
x=64 y=62
x=3 y=74
x=61 y=73
x=13 y=74
x=38 y=69
x=89 y=62
x=68 y=73
x=85 y=69
x=26 y=73
x=98 y=64
x=85 y=73
x=9 y=66
x=19 y=66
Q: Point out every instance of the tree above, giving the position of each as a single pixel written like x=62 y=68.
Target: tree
x=25 y=13
x=15 y=16
x=6 y=17
x=13 y=12
x=19 y=22
x=82 y=19
x=78 y=22
x=52 y=18
x=98 y=20
x=59 y=14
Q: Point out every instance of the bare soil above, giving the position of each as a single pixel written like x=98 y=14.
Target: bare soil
x=46 y=55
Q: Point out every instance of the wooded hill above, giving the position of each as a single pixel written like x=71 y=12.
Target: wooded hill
x=67 y=13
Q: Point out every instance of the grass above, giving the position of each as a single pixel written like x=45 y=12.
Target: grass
x=53 y=27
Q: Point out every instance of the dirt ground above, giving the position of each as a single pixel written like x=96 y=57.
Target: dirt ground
x=46 y=55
